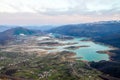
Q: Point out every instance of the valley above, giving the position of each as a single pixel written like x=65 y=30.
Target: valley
x=40 y=58
x=35 y=55
x=59 y=39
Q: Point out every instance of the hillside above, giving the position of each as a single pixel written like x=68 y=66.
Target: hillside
x=18 y=31
x=90 y=29
x=11 y=34
x=4 y=28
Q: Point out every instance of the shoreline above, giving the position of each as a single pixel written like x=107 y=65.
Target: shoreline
x=110 y=46
x=108 y=52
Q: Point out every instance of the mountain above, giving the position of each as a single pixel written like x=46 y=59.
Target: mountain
x=97 y=29
x=30 y=27
x=11 y=34
x=4 y=28
x=111 y=39
x=42 y=28
x=18 y=31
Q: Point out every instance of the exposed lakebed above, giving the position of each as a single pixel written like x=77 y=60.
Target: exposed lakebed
x=87 y=50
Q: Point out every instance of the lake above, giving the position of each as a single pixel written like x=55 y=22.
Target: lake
x=87 y=53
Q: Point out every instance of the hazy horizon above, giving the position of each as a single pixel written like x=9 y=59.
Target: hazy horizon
x=36 y=12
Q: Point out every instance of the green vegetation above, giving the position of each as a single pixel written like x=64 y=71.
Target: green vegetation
x=59 y=66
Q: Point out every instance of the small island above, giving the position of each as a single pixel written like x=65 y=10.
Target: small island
x=75 y=47
x=86 y=40
x=106 y=52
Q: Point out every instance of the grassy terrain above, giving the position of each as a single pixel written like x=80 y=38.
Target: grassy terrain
x=59 y=66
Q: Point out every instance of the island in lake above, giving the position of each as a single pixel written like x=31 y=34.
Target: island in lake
x=75 y=47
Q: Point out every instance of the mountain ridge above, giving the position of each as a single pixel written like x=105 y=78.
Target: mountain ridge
x=10 y=34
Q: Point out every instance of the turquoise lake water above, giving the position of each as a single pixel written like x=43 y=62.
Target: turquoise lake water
x=87 y=53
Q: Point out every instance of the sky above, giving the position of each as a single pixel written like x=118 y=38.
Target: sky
x=35 y=12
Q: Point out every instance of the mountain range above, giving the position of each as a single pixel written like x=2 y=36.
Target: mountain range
x=89 y=29
x=104 y=32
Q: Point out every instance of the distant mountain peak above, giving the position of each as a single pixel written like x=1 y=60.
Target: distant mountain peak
x=18 y=31
x=10 y=34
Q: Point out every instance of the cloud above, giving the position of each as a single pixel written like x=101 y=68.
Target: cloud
x=58 y=11
x=36 y=19
x=61 y=7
